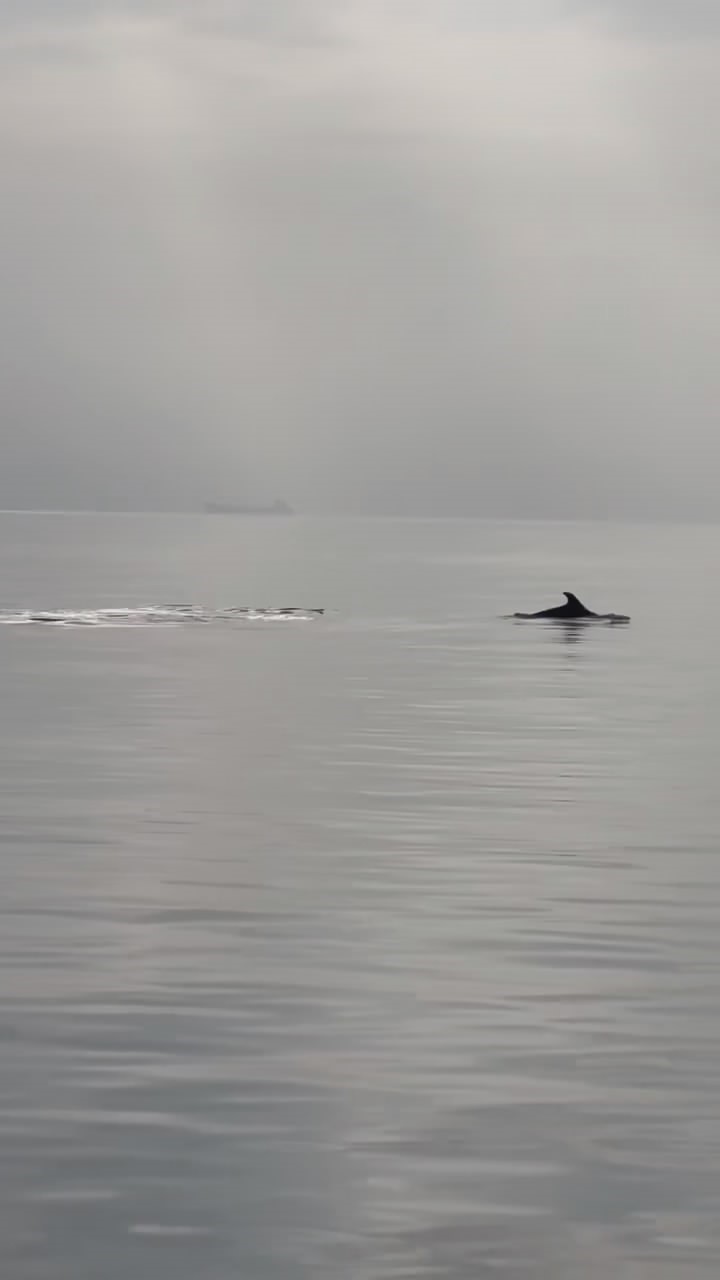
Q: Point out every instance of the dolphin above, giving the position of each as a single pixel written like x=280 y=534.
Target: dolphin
x=573 y=609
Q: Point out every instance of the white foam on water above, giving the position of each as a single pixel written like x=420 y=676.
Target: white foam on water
x=151 y=615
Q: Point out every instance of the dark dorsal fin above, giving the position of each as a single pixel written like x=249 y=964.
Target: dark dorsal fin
x=574 y=608
x=574 y=603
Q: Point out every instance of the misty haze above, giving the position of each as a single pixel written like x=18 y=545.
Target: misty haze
x=399 y=256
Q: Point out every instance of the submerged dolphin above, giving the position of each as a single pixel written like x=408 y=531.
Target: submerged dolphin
x=573 y=609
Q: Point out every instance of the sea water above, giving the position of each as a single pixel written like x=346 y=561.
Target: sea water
x=382 y=943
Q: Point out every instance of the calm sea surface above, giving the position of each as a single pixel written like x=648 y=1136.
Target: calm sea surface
x=379 y=946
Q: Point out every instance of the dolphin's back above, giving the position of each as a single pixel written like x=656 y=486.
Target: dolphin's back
x=574 y=608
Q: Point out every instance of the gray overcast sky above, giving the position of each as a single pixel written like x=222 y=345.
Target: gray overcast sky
x=442 y=256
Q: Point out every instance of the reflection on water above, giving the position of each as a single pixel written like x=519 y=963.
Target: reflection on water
x=384 y=948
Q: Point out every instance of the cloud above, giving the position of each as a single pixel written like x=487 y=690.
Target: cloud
x=660 y=19
x=384 y=255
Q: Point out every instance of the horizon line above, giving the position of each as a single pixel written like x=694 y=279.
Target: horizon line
x=608 y=518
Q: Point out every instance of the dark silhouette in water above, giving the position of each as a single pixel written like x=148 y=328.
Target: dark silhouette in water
x=574 y=609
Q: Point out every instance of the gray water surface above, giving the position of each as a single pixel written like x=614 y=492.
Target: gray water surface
x=378 y=945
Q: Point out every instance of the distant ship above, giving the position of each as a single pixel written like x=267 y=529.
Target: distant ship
x=278 y=508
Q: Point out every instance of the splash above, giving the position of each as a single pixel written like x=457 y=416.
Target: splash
x=152 y=615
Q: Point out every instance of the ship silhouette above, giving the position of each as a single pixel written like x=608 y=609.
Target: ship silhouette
x=277 y=508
